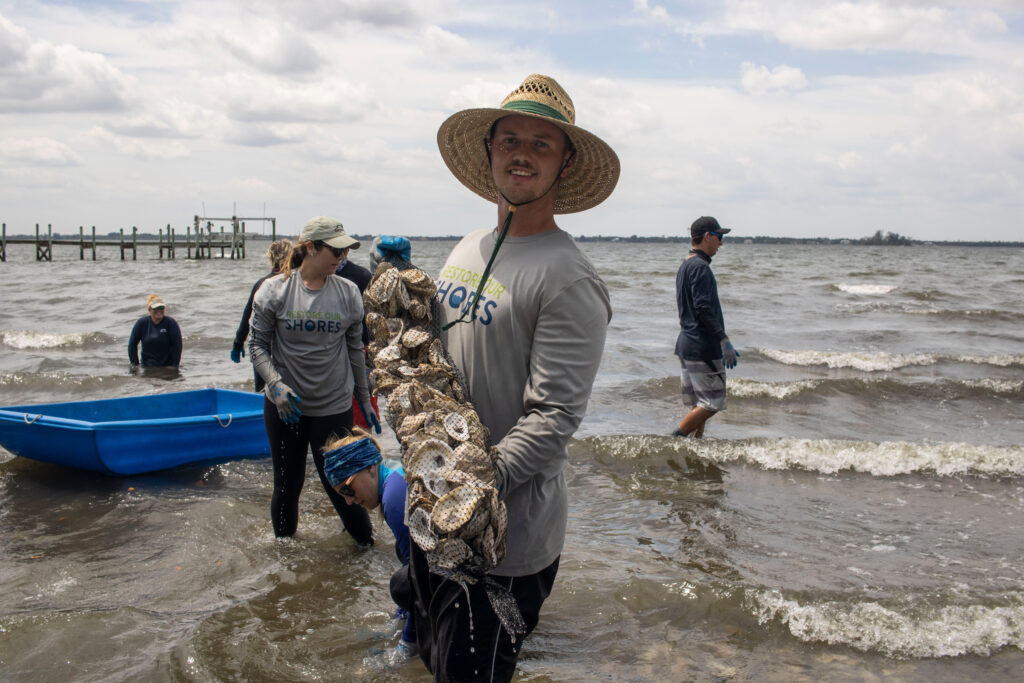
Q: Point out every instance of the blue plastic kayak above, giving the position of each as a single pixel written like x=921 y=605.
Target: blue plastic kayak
x=140 y=433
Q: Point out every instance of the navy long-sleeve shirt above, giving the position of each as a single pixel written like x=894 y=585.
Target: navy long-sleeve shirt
x=243 y=327
x=701 y=323
x=361 y=276
x=161 y=344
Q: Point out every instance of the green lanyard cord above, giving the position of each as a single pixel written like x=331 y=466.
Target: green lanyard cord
x=487 y=272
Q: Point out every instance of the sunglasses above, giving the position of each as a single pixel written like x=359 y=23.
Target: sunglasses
x=719 y=235
x=338 y=253
x=346 y=488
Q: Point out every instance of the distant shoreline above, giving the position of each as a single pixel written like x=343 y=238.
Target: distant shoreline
x=632 y=239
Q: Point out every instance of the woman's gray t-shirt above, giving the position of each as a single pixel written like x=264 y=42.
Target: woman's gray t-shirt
x=310 y=339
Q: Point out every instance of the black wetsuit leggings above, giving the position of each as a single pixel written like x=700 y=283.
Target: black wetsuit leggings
x=289 y=444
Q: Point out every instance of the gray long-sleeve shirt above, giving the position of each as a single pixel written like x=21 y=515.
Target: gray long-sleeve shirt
x=310 y=339
x=529 y=360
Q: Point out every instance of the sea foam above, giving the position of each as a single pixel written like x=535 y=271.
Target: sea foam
x=868 y=362
x=880 y=361
x=28 y=339
x=868 y=290
x=888 y=458
x=947 y=631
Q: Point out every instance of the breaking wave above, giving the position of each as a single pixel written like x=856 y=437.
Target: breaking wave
x=867 y=290
x=947 y=631
x=874 y=362
x=828 y=456
x=948 y=389
x=28 y=339
x=887 y=458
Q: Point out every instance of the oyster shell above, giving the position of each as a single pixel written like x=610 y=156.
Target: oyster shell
x=456 y=426
x=415 y=337
x=419 y=529
x=450 y=553
x=455 y=509
x=419 y=283
x=381 y=290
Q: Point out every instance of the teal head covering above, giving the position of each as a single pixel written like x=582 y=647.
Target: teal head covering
x=342 y=462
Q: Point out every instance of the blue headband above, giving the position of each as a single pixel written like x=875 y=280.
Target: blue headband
x=341 y=463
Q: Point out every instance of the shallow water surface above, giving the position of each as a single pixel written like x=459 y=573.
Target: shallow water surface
x=857 y=512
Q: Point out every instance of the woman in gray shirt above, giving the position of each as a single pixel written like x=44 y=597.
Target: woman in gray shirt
x=307 y=345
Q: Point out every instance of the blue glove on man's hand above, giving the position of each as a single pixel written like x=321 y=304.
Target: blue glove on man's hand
x=729 y=354
x=369 y=416
x=287 y=402
x=237 y=355
x=398 y=245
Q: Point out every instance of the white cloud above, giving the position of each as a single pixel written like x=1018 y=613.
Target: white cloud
x=273 y=48
x=329 y=14
x=168 y=118
x=643 y=8
x=263 y=135
x=259 y=98
x=441 y=42
x=40 y=152
x=37 y=76
x=969 y=93
x=255 y=186
x=937 y=26
x=139 y=149
x=758 y=80
x=476 y=93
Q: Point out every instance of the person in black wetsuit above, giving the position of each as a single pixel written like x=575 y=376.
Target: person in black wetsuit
x=276 y=254
x=159 y=335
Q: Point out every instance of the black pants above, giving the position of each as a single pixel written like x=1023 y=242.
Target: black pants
x=460 y=637
x=289 y=444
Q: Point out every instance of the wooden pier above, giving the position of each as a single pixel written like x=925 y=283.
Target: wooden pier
x=200 y=243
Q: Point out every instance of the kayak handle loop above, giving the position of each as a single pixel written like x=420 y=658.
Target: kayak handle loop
x=28 y=422
x=222 y=424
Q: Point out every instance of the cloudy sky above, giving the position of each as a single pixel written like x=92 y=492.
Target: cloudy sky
x=797 y=118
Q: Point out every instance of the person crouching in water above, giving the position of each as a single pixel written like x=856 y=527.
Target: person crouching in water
x=355 y=468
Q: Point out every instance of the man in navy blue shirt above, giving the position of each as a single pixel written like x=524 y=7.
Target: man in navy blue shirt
x=703 y=348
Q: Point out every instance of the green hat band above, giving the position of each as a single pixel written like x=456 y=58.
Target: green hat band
x=535 y=108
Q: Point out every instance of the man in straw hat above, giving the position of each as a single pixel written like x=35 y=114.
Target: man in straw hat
x=526 y=327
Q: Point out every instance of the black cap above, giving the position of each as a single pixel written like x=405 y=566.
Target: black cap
x=706 y=224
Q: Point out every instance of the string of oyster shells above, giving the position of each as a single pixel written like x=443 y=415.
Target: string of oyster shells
x=452 y=506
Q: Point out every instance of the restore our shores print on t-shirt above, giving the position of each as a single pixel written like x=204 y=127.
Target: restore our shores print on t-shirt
x=529 y=361
x=457 y=286
x=315 y=338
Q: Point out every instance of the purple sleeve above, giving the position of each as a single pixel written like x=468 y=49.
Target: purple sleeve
x=393 y=506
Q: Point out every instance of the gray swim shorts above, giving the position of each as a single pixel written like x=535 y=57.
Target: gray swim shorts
x=703 y=383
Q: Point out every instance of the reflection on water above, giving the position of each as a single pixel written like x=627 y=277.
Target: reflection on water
x=164 y=372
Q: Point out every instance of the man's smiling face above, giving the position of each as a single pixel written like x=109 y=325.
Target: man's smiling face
x=526 y=157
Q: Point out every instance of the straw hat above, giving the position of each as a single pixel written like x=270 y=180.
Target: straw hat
x=592 y=176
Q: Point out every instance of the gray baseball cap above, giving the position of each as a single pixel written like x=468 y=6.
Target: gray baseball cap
x=328 y=231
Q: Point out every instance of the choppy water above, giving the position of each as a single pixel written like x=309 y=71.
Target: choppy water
x=856 y=514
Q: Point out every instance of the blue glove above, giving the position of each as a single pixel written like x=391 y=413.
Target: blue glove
x=237 y=355
x=729 y=354
x=397 y=245
x=287 y=402
x=369 y=416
